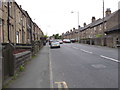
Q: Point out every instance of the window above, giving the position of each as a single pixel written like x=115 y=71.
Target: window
x=10 y=8
x=105 y=26
x=1 y=30
x=5 y=2
x=100 y=28
x=17 y=37
x=23 y=36
x=23 y=22
x=94 y=28
x=19 y=17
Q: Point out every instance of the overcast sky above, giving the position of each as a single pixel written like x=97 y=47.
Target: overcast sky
x=54 y=16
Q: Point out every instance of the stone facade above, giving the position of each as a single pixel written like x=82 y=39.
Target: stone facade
x=16 y=26
x=98 y=32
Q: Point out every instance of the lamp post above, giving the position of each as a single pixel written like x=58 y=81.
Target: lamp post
x=103 y=18
x=77 y=22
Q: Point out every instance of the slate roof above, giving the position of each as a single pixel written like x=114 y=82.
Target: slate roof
x=97 y=22
x=114 y=29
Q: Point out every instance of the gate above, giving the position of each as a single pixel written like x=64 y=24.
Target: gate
x=8 y=67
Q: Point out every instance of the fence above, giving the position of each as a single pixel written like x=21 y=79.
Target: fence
x=15 y=55
x=13 y=59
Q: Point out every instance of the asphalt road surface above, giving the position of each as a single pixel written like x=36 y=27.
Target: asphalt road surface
x=71 y=66
x=83 y=66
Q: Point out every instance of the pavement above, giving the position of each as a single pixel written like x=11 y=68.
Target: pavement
x=36 y=73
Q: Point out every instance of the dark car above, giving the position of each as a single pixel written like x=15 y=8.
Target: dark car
x=73 y=40
x=50 y=42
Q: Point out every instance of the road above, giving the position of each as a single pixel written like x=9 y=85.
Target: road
x=84 y=66
x=71 y=66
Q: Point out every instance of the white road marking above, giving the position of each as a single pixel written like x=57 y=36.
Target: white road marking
x=112 y=59
x=51 y=73
x=60 y=84
x=86 y=51
x=75 y=47
x=65 y=84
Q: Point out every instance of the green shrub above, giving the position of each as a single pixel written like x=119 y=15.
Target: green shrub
x=98 y=35
x=21 y=68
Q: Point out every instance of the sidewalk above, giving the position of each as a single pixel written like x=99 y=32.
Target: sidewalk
x=36 y=73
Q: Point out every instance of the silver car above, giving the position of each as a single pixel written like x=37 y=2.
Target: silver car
x=55 y=44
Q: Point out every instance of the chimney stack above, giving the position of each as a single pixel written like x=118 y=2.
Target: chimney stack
x=84 y=24
x=79 y=27
x=73 y=29
x=93 y=19
x=108 y=12
x=20 y=6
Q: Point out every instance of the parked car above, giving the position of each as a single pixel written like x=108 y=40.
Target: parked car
x=50 y=42
x=60 y=41
x=55 y=44
x=66 y=41
x=73 y=40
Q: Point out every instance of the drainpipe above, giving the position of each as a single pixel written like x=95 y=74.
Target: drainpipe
x=8 y=23
x=22 y=29
x=31 y=31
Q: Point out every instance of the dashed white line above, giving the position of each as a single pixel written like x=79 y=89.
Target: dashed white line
x=75 y=48
x=86 y=51
x=112 y=59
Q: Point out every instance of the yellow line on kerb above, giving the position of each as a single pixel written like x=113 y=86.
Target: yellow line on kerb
x=60 y=84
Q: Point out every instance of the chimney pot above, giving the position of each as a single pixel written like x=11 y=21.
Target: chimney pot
x=20 y=6
x=108 y=12
x=73 y=28
x=93 y=19
x=84 y=24
x=79 y=27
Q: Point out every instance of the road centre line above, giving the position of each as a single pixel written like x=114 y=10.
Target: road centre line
x=86 y=51
x=75 y=47
x=112 y=59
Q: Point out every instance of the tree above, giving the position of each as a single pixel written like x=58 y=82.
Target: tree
x=56 y=36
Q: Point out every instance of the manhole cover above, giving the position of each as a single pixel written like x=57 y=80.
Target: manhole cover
x=98 y=66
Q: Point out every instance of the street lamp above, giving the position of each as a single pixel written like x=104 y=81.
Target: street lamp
x=77 y=17
x=77 y=22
